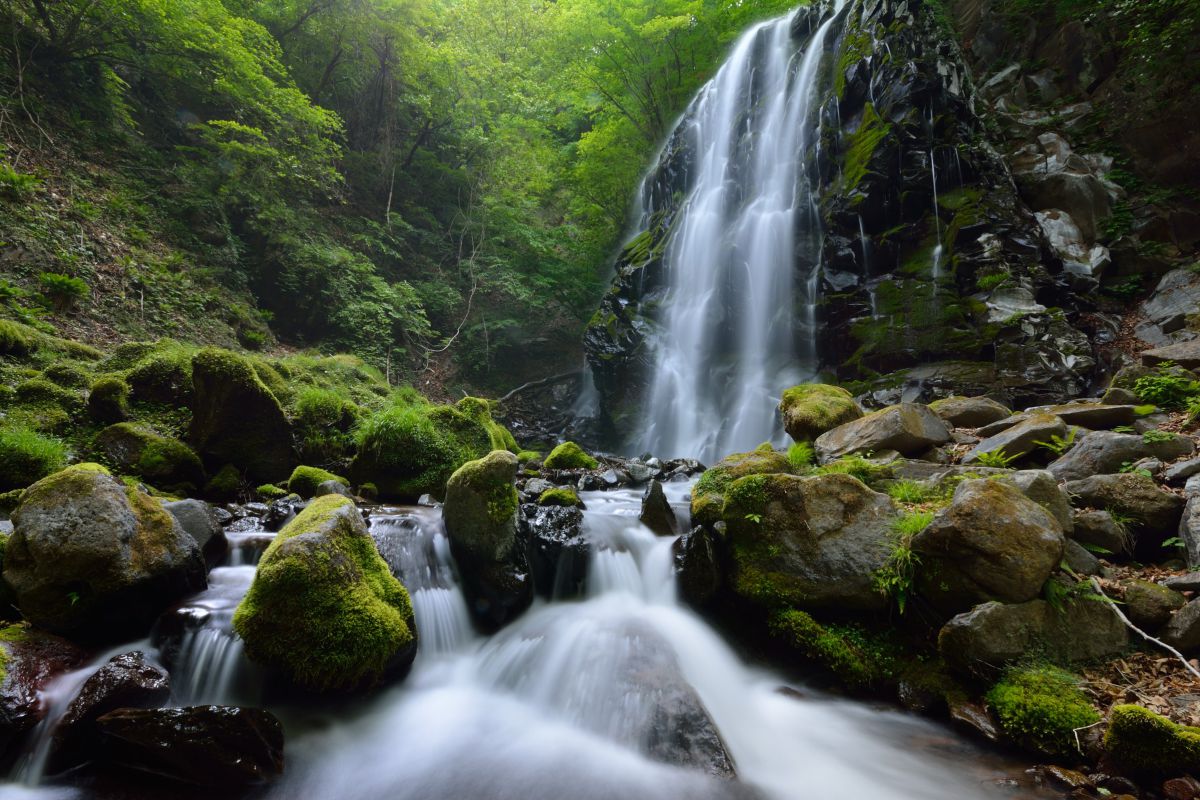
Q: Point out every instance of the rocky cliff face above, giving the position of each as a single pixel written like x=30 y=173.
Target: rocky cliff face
x=934 y=274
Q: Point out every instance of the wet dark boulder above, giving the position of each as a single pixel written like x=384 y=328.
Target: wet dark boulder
x=907 y=428
x=200 y=521
x=657 y=514
x=30 y=659
x=219 y=747
x=1101 y=452
x=697 y=567
x=126 y=681
x=1152 y=514
x=559 y=554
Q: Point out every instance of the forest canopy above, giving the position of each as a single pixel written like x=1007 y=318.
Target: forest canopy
x=412 y=180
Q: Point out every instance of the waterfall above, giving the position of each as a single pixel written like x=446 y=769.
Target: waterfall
x=742 y=260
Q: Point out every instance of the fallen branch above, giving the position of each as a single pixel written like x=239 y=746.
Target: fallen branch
x=1142 y=633
x=562 y=376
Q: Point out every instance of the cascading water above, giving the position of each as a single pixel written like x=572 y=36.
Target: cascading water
x=736 y=331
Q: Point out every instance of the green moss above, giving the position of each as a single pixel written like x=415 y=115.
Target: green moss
x=857 y=466
x=324 y=608
x=161 y=460
x=1146 y=745
x=324 y=424
x=27 y=456
x=826 y=647
x=305 y=480
x=10 y=634
x=861 y=146
x=559 y=497
x=800 y=455
x=856 y=46
x=41 y=392
x=162 y=375
x=68 y=375
x=225 y=486
x=269 y=491
x=368 y=491
x=569 y=455
x=810 y=409
x=17 y=339
x=10 y=500
x=480 y=410
x=108 y=400
x=708 y=495
x=1041 y=707
x=411 y=450
x=525 y=456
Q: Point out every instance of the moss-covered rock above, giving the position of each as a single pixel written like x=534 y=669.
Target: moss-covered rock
x=811 y=543
x=225 y=486
x=1143 y=744
x=159 y=460
x=17 y=339
x=94 y=558
x=569 y=455
x=68 y=375
x=305 y=480
x=269 y=491
x=163 y=375
x=39 y=392
x=324 y=610
x=810 y=409
x=826 y=647
x=480 y=410
x=235 y=418
x=559 y=496
x=1041 y=707
x=27 y=456
x=969 y=412
x=708 y=495
x=481 y=506
x=411 y=449
x=907 y=428
x=108 y=400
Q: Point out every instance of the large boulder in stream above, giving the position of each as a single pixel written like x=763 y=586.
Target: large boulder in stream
x=95 y=559
x=481 y=522
x=29 y=660
x=237 y=420
x=814 y=543
x=215 y=747
x=708 y=495
x=324 y=611
x=991 y=543
x=559 y=554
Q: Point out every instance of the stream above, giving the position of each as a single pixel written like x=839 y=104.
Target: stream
x=587 y=698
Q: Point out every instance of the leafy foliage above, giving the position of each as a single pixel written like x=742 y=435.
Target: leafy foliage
x=1170 y=386
x=1042 y=706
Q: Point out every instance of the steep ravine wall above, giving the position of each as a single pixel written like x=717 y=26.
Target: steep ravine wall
x=935 y=277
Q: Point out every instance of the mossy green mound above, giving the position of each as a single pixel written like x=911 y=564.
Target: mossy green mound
x=481 y=506
x=159 y=460
x=305 y=480
x=480 y=410
x=569 y=455
x=559 y=497
x=108 y=400
x=236 y=419
x=810 y=409
x=1143 y=744
x=1041 y=707
x=27 y=456
x=269 y=492
x=843 y=652
x=161 y=373
x=408 y=450
x=225 y=485
x=708 y=495
x=324 y=609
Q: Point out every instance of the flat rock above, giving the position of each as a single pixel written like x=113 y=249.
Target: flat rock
x=1090 y=415
x=1185 y=354
x=907 y=428
x=1020 y=439
x=970 y=412
x=1102 y=452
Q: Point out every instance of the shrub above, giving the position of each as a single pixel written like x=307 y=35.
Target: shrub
x=1041 y=707
x=997 y=459
x=911 y=492
x=27 y=457
x=1169 y=387
x=895 y=578
x=62 y=291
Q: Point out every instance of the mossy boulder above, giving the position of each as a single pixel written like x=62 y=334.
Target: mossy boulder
x=108 y=400
x=480 y=410
x=164 y=375
x=324 y=610
x=969 y=412
x=1146 y=745
x=708 y=495
x=569 y=455
x=305 y=480
x=159 y=460
x=559 y=496
x=481 y=522
x=907 y=428
x=991 y=543
x=810 y=543
x=410 y=449
x=96 y=559
x=235 y=418
x=225 y=486
x=1150 y=605
x=826 y=647
x=1041 y=707
x=810 y=409
x=1153 y=514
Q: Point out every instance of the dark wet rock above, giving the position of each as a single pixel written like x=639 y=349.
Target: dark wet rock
x=126 y=681
x=1099 y=530
x=1162 y=318
x=975 y=718
x=697 y=567
x=813 y=542
x=1065 y=779
x=1080 y=561
x=657 y=514
x=991 y=542
x=986 y=638
x=1040 y=486
x=32 y=660
x=1154 y=514
x=1182 y=631
x=970 y=412
x=559 y=554
x=220 y=747
x=95 y=559
x=332 y=487
x=280 y=512
x=907 y=428
x=1089 y=414
x=1188 y=582
x=1103 y=452
x=1150 y=605
x=1019 y=439
x=201 y=522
